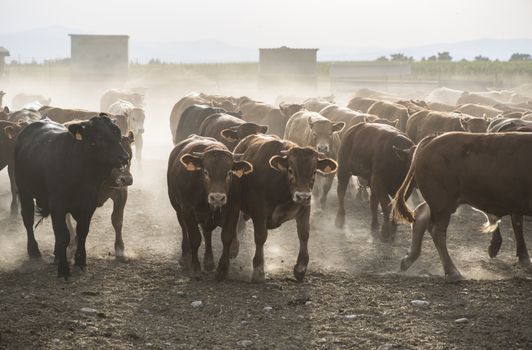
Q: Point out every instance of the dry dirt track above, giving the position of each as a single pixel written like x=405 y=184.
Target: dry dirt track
x=146 y=301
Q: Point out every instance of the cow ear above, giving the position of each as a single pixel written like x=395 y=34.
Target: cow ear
x=402 y=154
x=337 y=127
x=279 y=163
x=192 y=163
x=6 y=109
x=10 y=132
x=76 y=130
x=229 y=134
x=263 y=129
x=327 y=165
x=242 y=168
x=131 y=136
x=395 y=123
x=464 y=123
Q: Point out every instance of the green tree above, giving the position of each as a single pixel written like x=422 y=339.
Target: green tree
x=520 y=57
x=444 y=56
x=481 y=58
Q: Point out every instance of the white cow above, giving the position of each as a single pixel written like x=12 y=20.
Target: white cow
x=135 y=116
x=444 y=95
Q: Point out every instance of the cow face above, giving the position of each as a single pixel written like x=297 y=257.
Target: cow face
x=136 y=121
x=474 y=125
x=300 y=166
x=216 y=168
x=237 y=133
x=289 y=110
x=121 y=177
x=101 y=138
x=322 y=132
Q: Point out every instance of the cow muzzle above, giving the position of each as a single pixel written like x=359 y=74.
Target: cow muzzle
x=124 y=180
x=302 y=197
x=323 y=148
x=217 y=199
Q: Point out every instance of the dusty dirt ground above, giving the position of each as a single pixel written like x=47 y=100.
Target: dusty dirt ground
x=353 y=296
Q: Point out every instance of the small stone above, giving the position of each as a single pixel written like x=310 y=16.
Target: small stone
x=88 y=310
x=419 y=303
x=181 y=294
x=300 y=316
x=254 y=296
x=268 y=308
x=244 y=343
x=308 y=303
x=350 y=317
x=461 y=320
x=197 y=304
x=55 y=340
x=243 y=322
x=389 y=346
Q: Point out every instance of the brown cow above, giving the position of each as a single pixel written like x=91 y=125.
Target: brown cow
x=228 y=129
x=312 y=129
x=391 y=111
x=115 y=187
x=380 y=154
x=8 y=135
x=112 y=95
x=65 y=115
x=315 y=104
x=413 y=106
x=229 y=103
x=470 y=97
x=266 y=114
x=343 y=114
x=479 y=111
x=426 y=123
x=27 y=116
x=204 y=187
x=361 y=104
x=440 y=107
x=487 y=171
x=279 y=190
x=180 y=107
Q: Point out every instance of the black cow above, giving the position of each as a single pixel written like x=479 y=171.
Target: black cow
x=63 y=169
x=191 y=120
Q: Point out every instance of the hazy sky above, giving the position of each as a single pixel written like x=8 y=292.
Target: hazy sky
x=300 y=23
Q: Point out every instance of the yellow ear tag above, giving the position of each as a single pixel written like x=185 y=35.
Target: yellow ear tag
x=78 y=136
x=327 y=169
x=191 y=167
x=239 y=173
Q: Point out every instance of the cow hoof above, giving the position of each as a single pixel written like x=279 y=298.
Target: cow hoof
x=196 y=275
x=299 y=273
x=257 y=276
x=525 y=261
x=34 y=253
x=454 y=278
x=221 y=273
x=405 y=264
x=340 y=221
x=119 y=253
x=208 y=266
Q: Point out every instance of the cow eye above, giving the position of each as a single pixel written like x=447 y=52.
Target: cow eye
x=230 y=172
x=205 y=172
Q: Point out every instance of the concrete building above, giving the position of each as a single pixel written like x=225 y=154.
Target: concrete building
x=3 y=54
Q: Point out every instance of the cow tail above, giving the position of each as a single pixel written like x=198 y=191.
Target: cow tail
x=400 y=209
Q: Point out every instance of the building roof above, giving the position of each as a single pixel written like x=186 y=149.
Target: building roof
x=98 y=35
x=289 y=48
x=4 y=51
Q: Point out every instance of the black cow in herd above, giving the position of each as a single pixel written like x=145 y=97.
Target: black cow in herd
x=8 y=134
x=63 y=170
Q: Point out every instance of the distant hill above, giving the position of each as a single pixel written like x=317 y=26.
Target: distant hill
x=53 y=42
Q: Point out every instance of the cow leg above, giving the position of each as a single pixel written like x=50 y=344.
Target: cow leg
x=327 y=184
x=384 y=201
x=520 y=244
x=82 y=230
x=303 y=229
x=117 y=219
x=240 y=231
x=139 y=142
x=419 y=227
x=62 y=239
x=228 y=238
x=194 y=238
x=374 y=207
x=14 y=191
x=185 y=244
x=73 y=238
x=438 y=231
x=261 y=234
x=343 y=181
x=208 y=258
x=27 y=208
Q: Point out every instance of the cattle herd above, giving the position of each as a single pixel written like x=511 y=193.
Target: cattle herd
x=236 y=159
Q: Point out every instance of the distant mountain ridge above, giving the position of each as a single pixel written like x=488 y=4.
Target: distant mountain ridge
x=53 y=42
